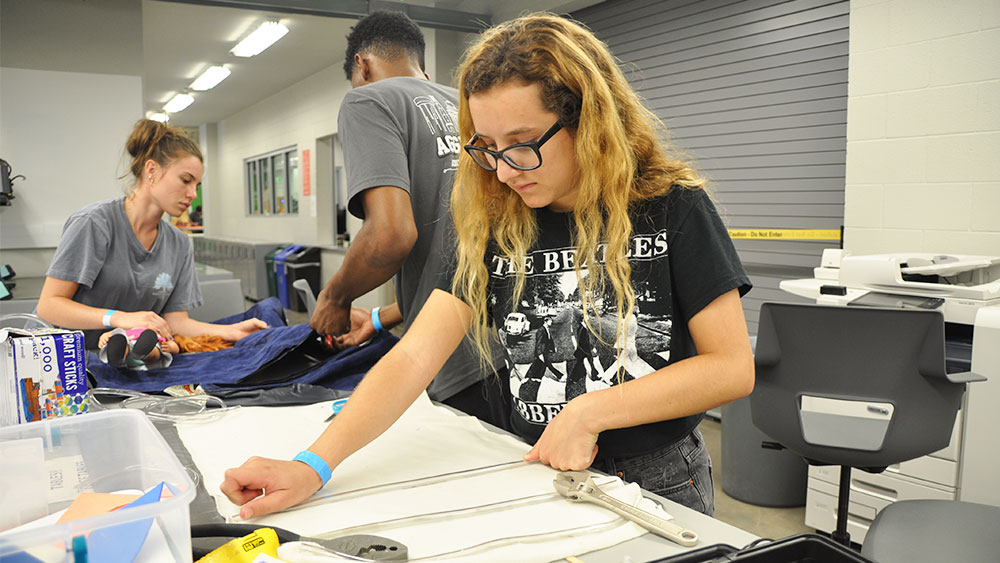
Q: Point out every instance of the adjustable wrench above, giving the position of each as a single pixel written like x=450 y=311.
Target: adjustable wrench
x=578 y=486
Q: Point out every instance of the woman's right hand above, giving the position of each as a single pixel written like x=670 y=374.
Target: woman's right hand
x=287 y=483
x=142 y=319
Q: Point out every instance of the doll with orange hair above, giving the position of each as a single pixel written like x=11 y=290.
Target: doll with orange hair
x=146 y=349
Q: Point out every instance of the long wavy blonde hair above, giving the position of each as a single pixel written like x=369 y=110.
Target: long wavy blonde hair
x=623 y=146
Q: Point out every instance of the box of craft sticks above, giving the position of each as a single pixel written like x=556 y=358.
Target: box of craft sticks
x=43 y=374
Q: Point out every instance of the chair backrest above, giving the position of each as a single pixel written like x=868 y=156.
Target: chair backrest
x=306 y=294
x=856 y=386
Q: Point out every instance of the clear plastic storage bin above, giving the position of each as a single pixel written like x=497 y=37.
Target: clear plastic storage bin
x=45 y=464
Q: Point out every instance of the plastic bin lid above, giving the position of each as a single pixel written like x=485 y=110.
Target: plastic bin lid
x=310 y=254
x=288 y=251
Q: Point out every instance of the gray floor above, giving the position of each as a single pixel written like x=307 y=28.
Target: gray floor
x=765 y=522
x=295 y=317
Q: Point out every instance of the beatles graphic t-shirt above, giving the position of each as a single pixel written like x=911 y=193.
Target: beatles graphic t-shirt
x=681 y=258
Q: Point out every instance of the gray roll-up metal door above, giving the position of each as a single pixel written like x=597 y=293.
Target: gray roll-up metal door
x=756 y=92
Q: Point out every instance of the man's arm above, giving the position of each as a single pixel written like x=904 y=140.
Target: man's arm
x=376 y=254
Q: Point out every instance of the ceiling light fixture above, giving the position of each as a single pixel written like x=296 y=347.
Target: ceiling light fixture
x=262 y=38
x=160 y=116
x=178 y=103
x=210 y=78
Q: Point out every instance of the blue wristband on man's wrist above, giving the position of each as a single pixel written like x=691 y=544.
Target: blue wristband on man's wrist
x=377 y=322
x=318 y=464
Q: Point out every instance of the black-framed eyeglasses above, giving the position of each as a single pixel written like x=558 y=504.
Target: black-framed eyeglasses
x=522 y=156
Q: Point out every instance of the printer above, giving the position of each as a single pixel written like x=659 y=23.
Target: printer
x=966 y=289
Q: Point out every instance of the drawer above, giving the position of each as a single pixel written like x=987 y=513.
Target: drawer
x=887 y=487
x=869 y=494
x=891 y=488
x=937 y=471
x=821 y=514
x=828 y=473
x=934 y=470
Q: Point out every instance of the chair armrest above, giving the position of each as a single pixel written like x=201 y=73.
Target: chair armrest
x=965 y=377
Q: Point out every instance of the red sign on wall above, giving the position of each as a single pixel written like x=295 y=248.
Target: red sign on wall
x=306 y=182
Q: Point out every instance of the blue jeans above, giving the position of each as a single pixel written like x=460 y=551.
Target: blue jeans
x=681 y=472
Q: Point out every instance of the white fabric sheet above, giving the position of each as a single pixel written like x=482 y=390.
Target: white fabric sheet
x=389 y=488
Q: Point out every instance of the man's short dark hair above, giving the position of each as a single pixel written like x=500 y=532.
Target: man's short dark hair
x=387 y=35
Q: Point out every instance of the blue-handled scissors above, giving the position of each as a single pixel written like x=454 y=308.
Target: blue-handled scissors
x=337 y=405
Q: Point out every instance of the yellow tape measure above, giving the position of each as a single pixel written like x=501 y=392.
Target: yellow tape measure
x=785 y=234
x=245 y=549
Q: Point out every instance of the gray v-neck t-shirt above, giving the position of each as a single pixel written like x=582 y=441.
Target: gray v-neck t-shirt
x=100 y=252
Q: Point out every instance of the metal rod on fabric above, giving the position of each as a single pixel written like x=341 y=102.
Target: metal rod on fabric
x=408 y=484
x=479 y=510
x=419 y=519
x=500 y=506
x=528 y=538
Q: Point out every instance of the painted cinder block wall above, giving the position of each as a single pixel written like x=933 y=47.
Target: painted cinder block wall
x=923 y=127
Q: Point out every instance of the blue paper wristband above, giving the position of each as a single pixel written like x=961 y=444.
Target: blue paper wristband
x=317 y=464
x=377 y=322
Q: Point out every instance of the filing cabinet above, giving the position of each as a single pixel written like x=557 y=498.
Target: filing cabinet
x=244 y=258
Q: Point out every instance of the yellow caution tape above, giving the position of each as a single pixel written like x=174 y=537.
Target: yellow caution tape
x=245 y=549
x=785 y=234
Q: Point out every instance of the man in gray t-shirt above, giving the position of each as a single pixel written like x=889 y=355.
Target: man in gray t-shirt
x=399 y=131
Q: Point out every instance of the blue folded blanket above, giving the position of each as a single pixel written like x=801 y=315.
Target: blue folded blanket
x=224 y=368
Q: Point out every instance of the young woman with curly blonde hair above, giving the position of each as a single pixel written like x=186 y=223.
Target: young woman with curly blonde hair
x=573 y=218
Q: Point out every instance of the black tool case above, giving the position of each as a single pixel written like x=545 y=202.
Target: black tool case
x=802 y=548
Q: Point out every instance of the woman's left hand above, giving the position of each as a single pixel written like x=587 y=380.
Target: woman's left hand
x=566 y=444
x=244 y=328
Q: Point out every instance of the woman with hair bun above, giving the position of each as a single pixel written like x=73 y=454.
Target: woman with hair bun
x=566 y=197
x=120 y=265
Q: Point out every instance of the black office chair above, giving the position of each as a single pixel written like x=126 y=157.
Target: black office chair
x=857 y=387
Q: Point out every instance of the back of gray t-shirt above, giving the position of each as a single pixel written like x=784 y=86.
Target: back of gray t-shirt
x=100 y=252
x=403 y=132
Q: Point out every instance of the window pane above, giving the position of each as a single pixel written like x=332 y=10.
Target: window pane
x=265 y=182
x=294 y=181
x=246 y=188
x=280 y=183
x=272 y=183
x=253 y=188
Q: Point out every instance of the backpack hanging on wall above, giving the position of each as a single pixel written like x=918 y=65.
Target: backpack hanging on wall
x=7 y=183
